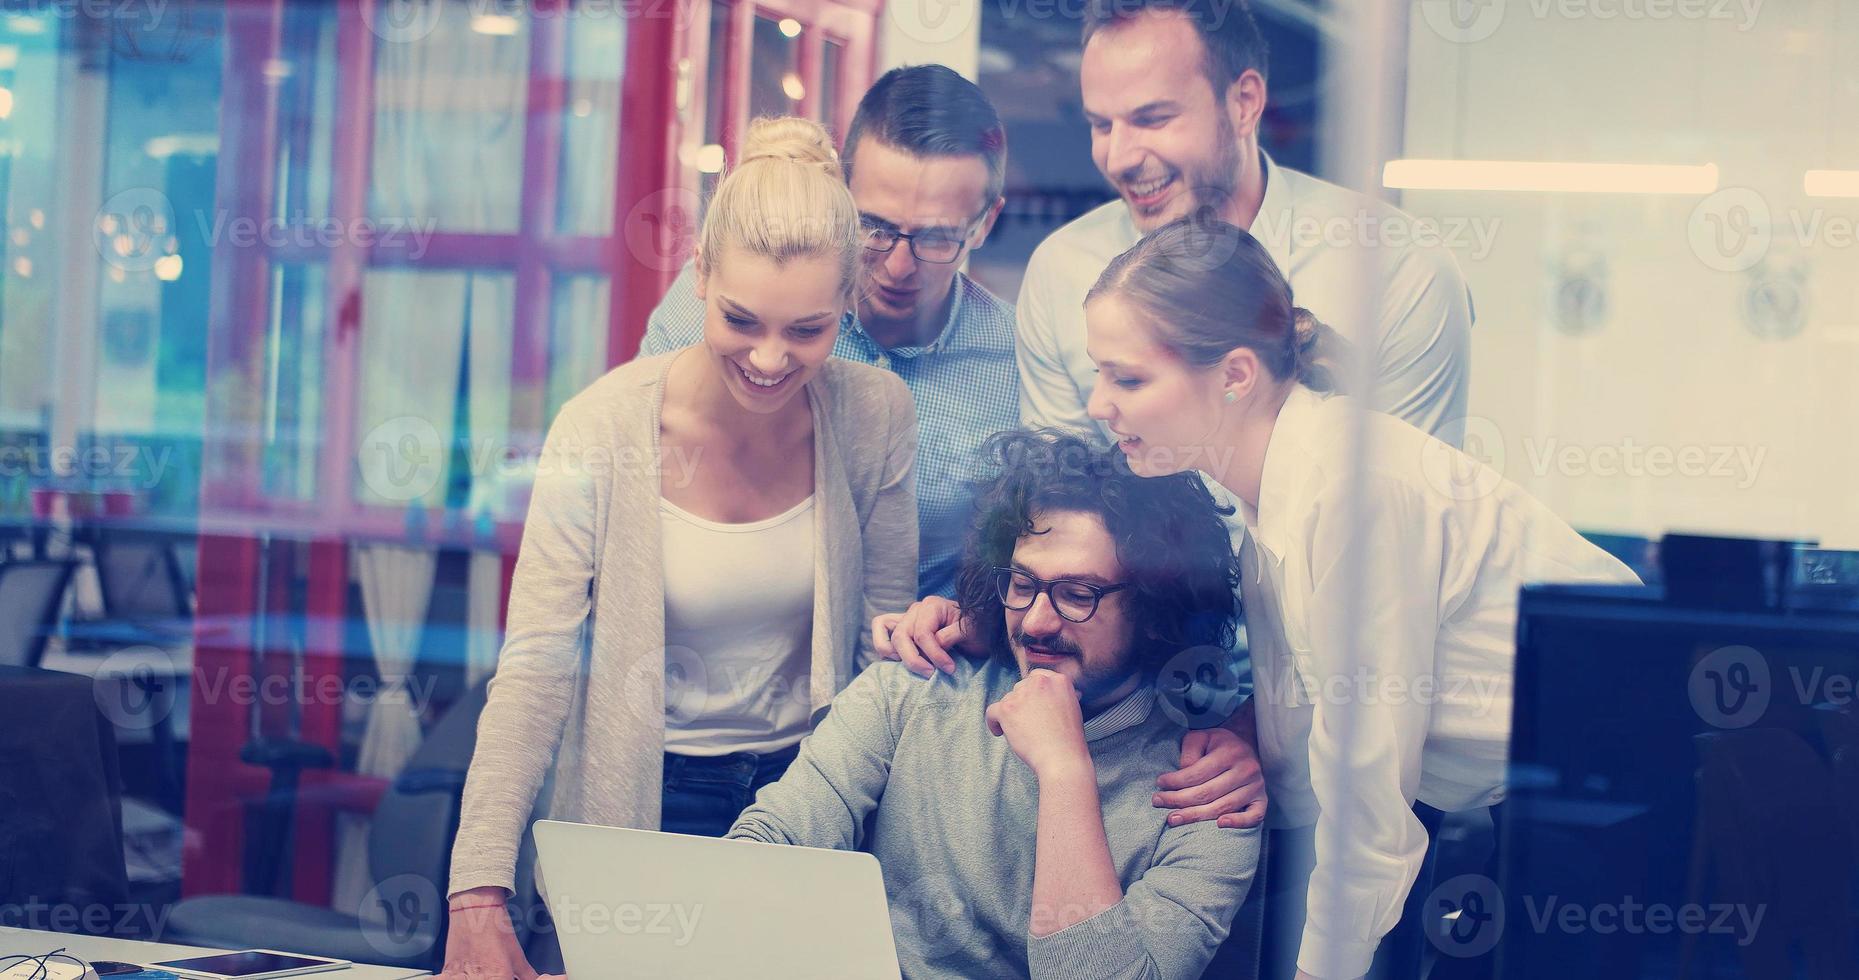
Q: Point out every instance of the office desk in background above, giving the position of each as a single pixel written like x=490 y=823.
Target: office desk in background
x=94 y=948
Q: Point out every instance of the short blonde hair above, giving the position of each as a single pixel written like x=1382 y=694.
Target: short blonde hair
x=786 y=198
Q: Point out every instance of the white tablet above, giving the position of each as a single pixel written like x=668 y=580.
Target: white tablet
x=250 y=964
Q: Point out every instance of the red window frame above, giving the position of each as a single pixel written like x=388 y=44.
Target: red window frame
x=234 y=512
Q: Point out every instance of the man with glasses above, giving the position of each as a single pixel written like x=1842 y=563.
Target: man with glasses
x=926 y=159
x=1008 y=803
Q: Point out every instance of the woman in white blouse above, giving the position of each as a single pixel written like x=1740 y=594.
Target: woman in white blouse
x=1382 y=566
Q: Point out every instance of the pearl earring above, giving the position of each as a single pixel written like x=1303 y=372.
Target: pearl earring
x=1231 y=397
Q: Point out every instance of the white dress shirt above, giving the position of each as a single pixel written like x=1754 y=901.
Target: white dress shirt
x=1419 y=343
x=1380 y=583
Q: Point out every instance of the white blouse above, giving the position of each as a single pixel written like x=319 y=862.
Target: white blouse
x=738 y=628
x=1381 y=581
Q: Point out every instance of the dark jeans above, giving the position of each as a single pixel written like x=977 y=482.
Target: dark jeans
x=704 y=795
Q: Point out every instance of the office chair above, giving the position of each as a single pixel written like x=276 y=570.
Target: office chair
x=31 y=595
x=144 y=590
x=409 y=855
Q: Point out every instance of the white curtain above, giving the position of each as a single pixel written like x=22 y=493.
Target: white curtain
x=448 y=150
x=493 y=315
x=396 y=586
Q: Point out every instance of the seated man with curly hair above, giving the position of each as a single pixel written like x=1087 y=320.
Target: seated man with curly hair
x=1009 y=803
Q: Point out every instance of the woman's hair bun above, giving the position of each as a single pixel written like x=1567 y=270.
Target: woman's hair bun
x=791 y=139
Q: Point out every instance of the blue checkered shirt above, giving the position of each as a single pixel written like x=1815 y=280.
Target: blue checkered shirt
x=966 y=385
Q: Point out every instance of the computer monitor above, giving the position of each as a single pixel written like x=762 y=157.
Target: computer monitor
x=1684 y=790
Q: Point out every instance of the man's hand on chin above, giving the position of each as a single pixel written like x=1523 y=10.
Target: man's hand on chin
x=1043 y=724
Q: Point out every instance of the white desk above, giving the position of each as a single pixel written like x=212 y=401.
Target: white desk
x=129 y=951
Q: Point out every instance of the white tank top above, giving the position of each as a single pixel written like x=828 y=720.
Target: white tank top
x=738 y=631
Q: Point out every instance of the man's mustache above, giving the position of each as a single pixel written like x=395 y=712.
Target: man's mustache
x=1057 y=643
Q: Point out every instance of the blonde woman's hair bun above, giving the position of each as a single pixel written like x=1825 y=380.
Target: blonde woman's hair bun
x=784 y=199
x=791 y=139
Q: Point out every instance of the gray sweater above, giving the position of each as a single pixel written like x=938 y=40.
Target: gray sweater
x=580 y=683
x=906 y=769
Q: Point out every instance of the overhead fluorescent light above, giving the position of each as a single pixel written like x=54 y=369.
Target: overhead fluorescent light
x=1550 y=177
x=1831 y=183
x=497 y=25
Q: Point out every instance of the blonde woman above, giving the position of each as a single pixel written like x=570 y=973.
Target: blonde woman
x=709 y=529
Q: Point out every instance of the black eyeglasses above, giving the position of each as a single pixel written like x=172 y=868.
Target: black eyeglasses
x=936 y=245
x=1074 y=600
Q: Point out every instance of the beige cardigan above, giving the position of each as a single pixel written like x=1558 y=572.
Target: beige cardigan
x=580 y=682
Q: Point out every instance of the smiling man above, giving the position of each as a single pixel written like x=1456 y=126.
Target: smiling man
x=1174 y=91
x=926 y=158
x=1009 y=803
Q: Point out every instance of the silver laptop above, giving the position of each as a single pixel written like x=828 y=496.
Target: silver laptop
x=639 y=903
